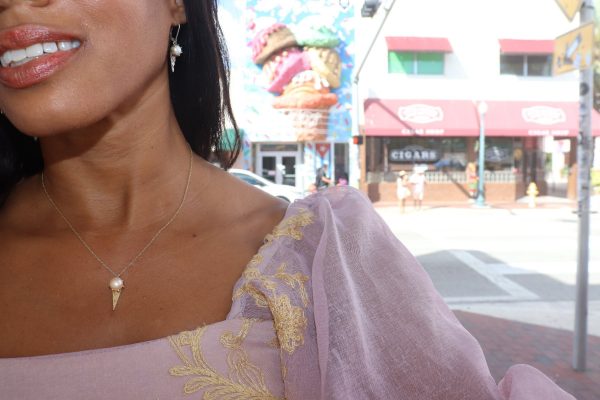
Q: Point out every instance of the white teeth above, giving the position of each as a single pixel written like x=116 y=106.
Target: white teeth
x=64 y=46
x=5 y=59
x=50 y=47
x=35 y=50
x=24 y=61
x=18 y=55
x=21 y=56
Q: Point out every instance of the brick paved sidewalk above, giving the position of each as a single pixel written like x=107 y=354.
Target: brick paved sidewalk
x=506 y=343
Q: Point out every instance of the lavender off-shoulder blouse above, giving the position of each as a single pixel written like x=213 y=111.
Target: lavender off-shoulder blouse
x=332 y=306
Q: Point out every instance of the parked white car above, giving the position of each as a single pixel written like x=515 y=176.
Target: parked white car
x=285 y=192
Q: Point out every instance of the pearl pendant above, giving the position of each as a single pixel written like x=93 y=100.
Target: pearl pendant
x=116 y=284
x=176 y=51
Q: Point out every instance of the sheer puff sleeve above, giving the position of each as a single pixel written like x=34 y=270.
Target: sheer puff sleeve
x=375 y=327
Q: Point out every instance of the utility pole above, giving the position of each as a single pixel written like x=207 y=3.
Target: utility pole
x=584 y=164
x=372 y=8
x=481 y=110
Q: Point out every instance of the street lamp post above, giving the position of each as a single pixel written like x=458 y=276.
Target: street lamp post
x=482 y=108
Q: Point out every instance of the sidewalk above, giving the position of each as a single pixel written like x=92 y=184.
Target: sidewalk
x=506 y=343
x=508 y=267
x=546 y=202
x=541 y=202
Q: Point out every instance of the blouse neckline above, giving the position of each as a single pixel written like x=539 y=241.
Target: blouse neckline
x=287 y=214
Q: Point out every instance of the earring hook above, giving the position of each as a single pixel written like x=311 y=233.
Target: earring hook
x=174 y=39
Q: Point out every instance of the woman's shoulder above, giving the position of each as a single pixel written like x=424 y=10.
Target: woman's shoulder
x=334 y=218
x=334 y=214
x=337 y=202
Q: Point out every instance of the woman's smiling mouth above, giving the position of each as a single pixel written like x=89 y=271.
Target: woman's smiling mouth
x=31 y=54
x=14 y=58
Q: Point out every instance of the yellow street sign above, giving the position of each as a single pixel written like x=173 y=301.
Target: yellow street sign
x=573 y=50
x=570 y=7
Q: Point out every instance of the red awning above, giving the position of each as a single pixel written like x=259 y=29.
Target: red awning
x=516 y=46
x=460 y=118
x=420 y=118
x=535 y=119
x=418 y=44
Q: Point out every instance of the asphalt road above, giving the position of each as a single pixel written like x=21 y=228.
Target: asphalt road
x=513 y=263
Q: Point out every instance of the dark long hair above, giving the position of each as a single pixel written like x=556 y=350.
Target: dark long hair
x=199 y=94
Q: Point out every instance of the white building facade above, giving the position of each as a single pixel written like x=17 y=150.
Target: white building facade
x=436 y=66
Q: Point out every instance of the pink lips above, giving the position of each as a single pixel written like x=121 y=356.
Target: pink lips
x=37 y=70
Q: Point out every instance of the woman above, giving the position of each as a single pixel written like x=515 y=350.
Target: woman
x=402 y=190
x=121 y=246
x=418 y=182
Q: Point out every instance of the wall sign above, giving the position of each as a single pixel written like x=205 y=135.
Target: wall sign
x=414 y=154
x=420 y=114
x=544 y=115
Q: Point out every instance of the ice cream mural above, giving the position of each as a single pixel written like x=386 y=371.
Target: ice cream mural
x=297 y=78
x=231 y=16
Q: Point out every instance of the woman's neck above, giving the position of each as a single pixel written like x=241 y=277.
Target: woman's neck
x=128 y=171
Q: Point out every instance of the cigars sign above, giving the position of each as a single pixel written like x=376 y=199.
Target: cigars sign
x=414 y=154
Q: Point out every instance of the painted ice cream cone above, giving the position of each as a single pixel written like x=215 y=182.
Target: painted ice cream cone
x=282 y=66
x=270 y=40
x=306 y=100
x=327 y=63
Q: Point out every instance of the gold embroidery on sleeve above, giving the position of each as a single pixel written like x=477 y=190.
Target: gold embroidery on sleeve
x=291 y=227
x=290 y=320
x=246 y=381
x=290 y=323
x=295 y=281
x=274 y=343
x=288 y=315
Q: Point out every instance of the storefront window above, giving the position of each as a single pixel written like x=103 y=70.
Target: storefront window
x=400 y=62
x=539 y=65
x=341 y=162
x=430 y=63
x=518 y=155
x=526 y=65
x=512 y=65
x=415 y=63
x=437 y=153
x=499 y=154
x=387 y=156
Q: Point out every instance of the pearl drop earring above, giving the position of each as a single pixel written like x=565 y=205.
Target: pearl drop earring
x=176 y=49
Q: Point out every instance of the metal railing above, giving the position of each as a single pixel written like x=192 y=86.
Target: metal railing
x=448 y=177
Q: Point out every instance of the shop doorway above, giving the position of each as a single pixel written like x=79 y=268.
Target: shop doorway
x=557 y=163
x=277 y=163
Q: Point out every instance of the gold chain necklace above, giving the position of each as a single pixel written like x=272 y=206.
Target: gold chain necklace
x=116 y=284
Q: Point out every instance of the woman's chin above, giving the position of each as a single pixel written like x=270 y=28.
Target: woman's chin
x=53 y=124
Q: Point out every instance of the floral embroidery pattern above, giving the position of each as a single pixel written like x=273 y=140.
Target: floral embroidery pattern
x=245 y=380
x=289 y=319
x=291 y=227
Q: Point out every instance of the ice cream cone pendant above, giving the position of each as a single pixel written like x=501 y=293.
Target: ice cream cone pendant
x=176 y=51
x=116 y=284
